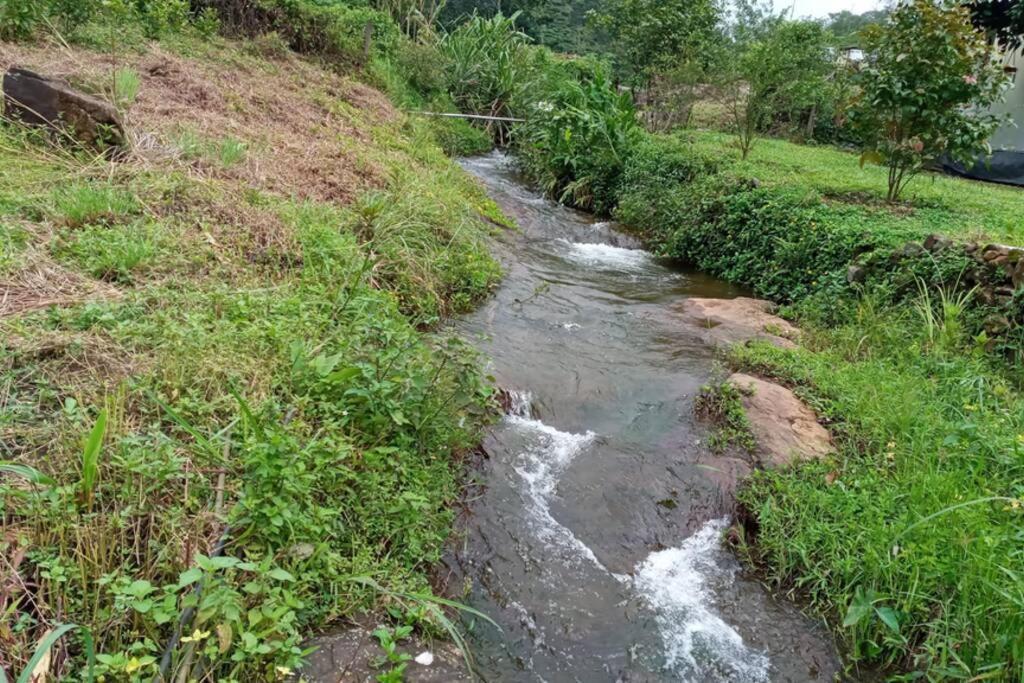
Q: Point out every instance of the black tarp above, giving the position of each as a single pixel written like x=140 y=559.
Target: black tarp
x=1004 y=166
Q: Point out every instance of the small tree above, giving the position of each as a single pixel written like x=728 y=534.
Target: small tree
x=924 y=90
x=781 y=77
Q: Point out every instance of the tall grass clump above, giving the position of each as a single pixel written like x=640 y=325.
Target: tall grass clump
x=488 y=60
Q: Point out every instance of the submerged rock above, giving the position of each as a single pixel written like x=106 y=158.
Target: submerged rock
x=41 y=101
x=724 y=322
x=785 y=429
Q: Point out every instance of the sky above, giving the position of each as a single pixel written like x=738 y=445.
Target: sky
x=822 y=8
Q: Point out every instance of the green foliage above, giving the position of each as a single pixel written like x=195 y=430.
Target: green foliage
x=910 y=534
x=231 y=152
x=93 y=204
x=488 y=65
x=780 y=79
x=848 y=27
x=722 y=405
x=652 y=34
x=19 y=18
x=300 y=407
x=113 y=255
x=925 y=90
x=578 y=136
x=126 y=88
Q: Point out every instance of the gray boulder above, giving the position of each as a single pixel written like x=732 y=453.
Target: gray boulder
x=40 y=101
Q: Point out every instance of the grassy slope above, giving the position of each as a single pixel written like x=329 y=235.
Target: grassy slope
x=244 y=300
x=927 y=424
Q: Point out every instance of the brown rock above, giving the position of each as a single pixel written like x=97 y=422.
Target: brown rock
x=40 y=101
x=1017 y=276
x=724 y=322
x=786 y=430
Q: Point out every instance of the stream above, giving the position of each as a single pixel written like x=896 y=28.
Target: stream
x=594 y=539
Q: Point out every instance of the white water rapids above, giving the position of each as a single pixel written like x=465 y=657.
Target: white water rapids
x=699 y=645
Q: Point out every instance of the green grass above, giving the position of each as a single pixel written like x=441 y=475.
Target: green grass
x=276 y=377
x=934 y=203
x=910 y=536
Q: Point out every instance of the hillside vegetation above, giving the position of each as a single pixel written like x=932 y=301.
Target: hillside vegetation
x=222 y=411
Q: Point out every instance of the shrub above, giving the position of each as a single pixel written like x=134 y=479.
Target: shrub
x=424 y=65
x=578 y=137
x=925 y=90
x=19 y=18
x=488 y=65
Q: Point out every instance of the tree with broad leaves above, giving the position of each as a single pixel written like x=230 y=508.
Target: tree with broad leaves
x=924 y=90
x=649 y=35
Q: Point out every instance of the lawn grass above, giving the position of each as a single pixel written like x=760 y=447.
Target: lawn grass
x=259 y=368
x=933 y=202
x=910 y=536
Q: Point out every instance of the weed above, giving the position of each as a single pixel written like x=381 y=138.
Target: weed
x=231 y=152
x=93 y=204
x=126 y=88
x=722 y=405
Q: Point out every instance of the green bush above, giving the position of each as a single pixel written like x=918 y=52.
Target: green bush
x=488 y=66
x=578 y=136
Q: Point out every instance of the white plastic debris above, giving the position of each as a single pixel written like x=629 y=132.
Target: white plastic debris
x=424 y=658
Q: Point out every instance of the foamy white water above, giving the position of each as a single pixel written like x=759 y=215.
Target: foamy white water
x=699 y=645
x=541 y=464
x=608 y=256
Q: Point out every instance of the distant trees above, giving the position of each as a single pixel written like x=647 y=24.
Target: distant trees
x=651 y=35
x=924 y=90
x=847 y=26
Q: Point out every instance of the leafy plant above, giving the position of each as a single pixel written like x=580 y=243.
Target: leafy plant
x=579 y=136
x=488 y=67
x=925 y=90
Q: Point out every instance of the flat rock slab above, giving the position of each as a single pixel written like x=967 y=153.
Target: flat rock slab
x=785 y=429
x=351 y=654
x=724 y=322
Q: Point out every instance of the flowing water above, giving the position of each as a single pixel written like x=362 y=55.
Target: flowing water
x=595 y=540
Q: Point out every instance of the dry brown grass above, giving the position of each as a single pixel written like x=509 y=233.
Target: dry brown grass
x=294 y=140
x=42 y=283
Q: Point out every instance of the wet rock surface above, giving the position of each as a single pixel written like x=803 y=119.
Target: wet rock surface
x=724 y=322
x=353 y=655
x=785 y=429
x=37 y=100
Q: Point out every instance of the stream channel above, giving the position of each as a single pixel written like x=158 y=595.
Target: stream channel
x=595 y=539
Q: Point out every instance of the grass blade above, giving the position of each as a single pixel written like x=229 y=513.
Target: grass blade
x=30 y=474
x=91 y=458
x=44 y=648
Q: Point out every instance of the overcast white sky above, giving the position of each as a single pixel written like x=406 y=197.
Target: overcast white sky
x=822 y=8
